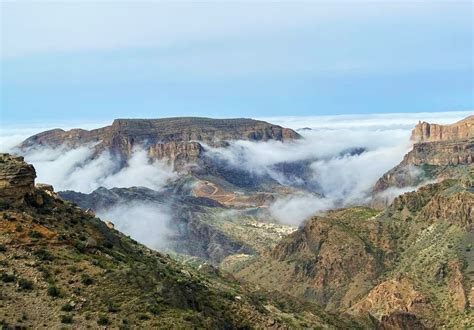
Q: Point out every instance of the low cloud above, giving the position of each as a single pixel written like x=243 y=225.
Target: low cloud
x=293 y=210
x=337 y=176
x=77 y=169
x=145 y=222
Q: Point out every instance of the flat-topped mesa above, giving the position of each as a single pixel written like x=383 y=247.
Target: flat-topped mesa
x=175 y=139
x=17 y=179
x=426 y=132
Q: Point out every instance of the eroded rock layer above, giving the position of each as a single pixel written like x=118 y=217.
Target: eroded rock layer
x=178 y=140
x=439 y=152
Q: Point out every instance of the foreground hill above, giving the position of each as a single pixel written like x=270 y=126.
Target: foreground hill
x=410 y=266
x=439 y=152
x=61 y=266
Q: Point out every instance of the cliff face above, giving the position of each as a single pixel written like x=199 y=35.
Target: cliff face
x=16 y=179
x=175 y=139
x=426 y=132
x=439 y=152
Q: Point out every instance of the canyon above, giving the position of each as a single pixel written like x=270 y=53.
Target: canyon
x=400 y=263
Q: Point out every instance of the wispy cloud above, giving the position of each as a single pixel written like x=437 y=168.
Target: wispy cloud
x=77 y=169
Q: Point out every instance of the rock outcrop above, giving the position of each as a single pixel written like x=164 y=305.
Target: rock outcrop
x=426 y=132
x=439 y=152
x=396 y=302
x=179 y=140
x=16 y=179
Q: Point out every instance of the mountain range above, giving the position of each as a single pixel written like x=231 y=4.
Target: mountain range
x=403 y=263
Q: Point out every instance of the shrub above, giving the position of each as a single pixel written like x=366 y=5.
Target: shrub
x=3 y=248
x=54 y=291
x=7 y=278
x=86 y=279
x=67 y=308
x=44 y=255
x=25 y=284
x=80 y=246
x=35 y=234
x=112 y=308
x=66 y=319
x=103 y=320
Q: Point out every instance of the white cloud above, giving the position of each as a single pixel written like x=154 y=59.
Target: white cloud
x=145 y=222
x=343 y=179
x=77 y=170
x=293 y=210
x=371 y=121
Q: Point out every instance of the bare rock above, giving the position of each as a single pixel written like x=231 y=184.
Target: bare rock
x=17 y=179
x=426 y=132
x=178 y=140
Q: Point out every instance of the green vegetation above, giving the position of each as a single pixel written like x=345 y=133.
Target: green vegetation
x=25 y=284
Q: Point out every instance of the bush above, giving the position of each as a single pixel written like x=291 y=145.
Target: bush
x=86 y=279
x=44 y=255
x=112 y=308
x=35 y=234
x=103 y=320
x=54 y=291
x=3 y=248
x=80 y=246
x=66 y=319
x=7 y=278
x=25 y=284
x=67 y=308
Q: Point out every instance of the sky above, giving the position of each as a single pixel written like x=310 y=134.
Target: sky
x=99 y=60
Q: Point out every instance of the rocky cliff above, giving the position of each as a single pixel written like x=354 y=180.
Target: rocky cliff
x=426 y=132
x=176 y=139
x=439 y=152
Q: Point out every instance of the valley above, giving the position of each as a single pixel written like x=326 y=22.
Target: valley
x=239 y=238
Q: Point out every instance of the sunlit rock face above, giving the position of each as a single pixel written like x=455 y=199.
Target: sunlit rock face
x=16 y=179
x=426 y=132
x=178 y=140
x=439 y=152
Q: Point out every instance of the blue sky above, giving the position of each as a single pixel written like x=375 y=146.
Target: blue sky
x=102 y=60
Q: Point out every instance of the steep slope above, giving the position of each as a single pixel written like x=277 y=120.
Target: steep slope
x=61 y=266
x=410 y=265
x=439 y=152
x=178 y=140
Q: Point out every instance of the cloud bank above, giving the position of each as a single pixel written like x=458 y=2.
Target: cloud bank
x=342 y=158
x=75 y=169
x=145 y=222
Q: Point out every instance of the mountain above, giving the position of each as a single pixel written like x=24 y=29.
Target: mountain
x=63 y=267
x=409 y=266
x=439 y=152
x=179 y=140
